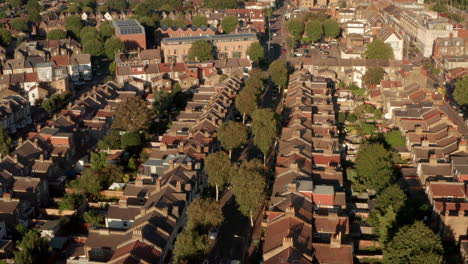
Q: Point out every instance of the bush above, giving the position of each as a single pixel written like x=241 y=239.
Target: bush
x=130 y=139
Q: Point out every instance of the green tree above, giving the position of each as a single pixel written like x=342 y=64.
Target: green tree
x=201 y=50
x=133 y=115
x=167 y=22
x=256 y=52
x=180 y=20
x=378 y=49
x=331 y=28
x=143 y=9
x=70 y=201
x=199 y=20
x=460 y=93
x=254 y=85
x=162 y=102
x=391 y=196
x=373 y=76
x=32 y=248
x=19 y=24
x=56 y=34
x=386 y=224
x=112 y=46
x=93 y=218
x=223 y=4
x=232 y=135
x=88 y=33
x=5 y=37
x=414 y=243
x=247 y=187
x=191 y=247
x=314 y=30
x=5 y=141
x=229 y=23
x=246 y=103
x=106 y=30
x=34 y=16
x=110 y=141
x=264 y=128
x=217 y=167
x=131 y=139
x=73 y=24
x=203 y=214
x=74 y=9
x=395 y=139
x=16 y=3
x=95 y=47
x=98 y=160
x=296 y=28
x=119 y=5
x=374 y=166
x=279 y=72
x=86 y=184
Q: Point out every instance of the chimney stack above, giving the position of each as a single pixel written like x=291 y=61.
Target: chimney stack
x=7 y=196
x=178 y=186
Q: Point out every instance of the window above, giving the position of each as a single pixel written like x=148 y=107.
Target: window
x=125 y=224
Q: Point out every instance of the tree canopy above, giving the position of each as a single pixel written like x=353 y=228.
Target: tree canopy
x=201 y=50
x=331 y=28
x=204 y=214
x=218 y=168
x=296 y=28
x=133 y=115
x=106 y=30
x=56 y=34
x=374 y=166
x=32 y=248
x=395 y=139
x=378 y=49
x=246 y=102
x=460 y=93
x=256 y=52
x=373 y=76
x=5 y=141
x=118 y=5
x=88 y=33
x=73 y=24
x=19 y=24
x=94 y=47
x=232 y=135
x=5 y=37
x=220 y=4
x=264 y=128
x=229 y=23
x=279 y=72
x=414 y=243
x=199 y=20
x=112 y=46
x=314 y=30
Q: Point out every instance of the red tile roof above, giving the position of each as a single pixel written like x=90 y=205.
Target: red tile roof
x=61 y=60
x=445 y=189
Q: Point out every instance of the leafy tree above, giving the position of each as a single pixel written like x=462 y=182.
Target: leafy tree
x=56 y=34
x=296 y=28
x=98 y=160
x=314 y=30
x=279 y=72
x=19 y=24
x=167 y=22
x=90 y=3
x=5 y=141
x=374 y=166
x=395 y=139
x=246 y=103
x=460 y=93
x=201 y=50
x=247 y=187
x=440 y=7
x=73 y=24
x=130 y=139
x=254 y=85
x=331 y=28
x=5 y=37
x=229 y=23
x=203 y=214
x=162 y=102
x=103 y=8
x=32 y=248
x=147 y=22
x=16 y=3
x=386 y=224
x=92 y=217
x=191 y=247
x=223 y=4
x=87 y=184
x=264 y=127
x=118 y=5
x=74 y=9
x=70 y=201
x=256 y=52
x=112 y=46
x=378 y=49
x=414 y=243
x=106 y=30
x=34 y=16
x=232 y=135
x=180 y=20
x=199 y=20
x=143 y=9
x=110 y=141
x=133 y=115
x=373 y=76
x=88 y=33
x=95 y=47
x=392 y=196
x=218 y=168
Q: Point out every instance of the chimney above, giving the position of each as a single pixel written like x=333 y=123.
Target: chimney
x=294 y=166
x=7 y=196
x=123 y=202
x=158 y=184
x=292 y=187
x=175 y=210
x=164 y=211
x=137 y=234
x=335 y=241
x=178 y=186
x=329 y=169
x=139 y=182
x=189 y=165
x=171 y=164
x=433 y=159
x=289 y=211
x=287 y=242
x=41 y=157
x=418 y=129
x=15 y=158
x=297 y=133
x=425 y=143
x=181 y=147
x=462 y=145
x=163 y=146
x=35 y=141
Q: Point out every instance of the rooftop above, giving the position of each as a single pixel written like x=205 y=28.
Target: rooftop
x=128 y=27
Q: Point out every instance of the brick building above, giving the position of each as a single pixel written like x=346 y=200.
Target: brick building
x=131 y=33
x=227 y=46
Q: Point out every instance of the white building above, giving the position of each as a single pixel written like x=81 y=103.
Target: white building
x=389 y=36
